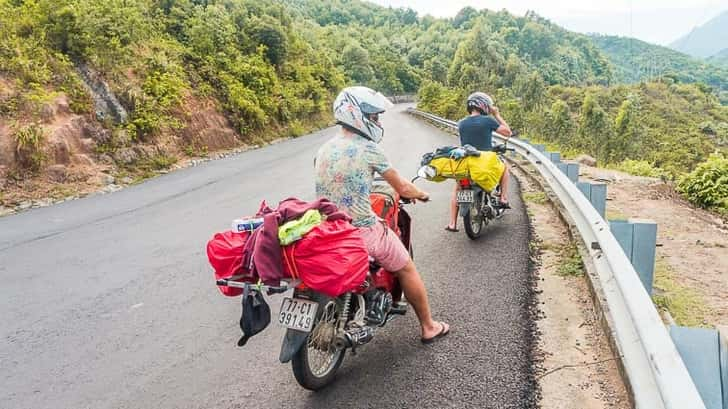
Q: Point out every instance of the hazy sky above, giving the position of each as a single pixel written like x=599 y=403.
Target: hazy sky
x=656 y=21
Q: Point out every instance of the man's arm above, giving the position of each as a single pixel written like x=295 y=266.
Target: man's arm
x=503 y=127
x=404 y=187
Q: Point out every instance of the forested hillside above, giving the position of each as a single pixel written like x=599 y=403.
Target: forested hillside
x=372 y=43
x=636 y=61
x=720 y=59
x=92 y=91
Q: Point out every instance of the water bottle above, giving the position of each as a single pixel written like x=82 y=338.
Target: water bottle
x=242 y=225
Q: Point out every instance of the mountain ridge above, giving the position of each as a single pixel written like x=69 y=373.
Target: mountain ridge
x=706 y=40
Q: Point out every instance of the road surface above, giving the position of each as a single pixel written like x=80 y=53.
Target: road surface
x=109 y=302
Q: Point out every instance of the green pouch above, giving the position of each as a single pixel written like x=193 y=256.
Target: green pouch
x=295 y=229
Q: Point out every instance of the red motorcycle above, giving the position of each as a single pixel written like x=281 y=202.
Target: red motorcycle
x=320 y=329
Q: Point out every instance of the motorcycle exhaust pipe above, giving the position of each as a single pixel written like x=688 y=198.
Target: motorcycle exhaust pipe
x=355 y=337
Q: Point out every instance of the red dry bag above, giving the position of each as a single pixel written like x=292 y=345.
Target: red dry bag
x=225 y=252
x=332 y=258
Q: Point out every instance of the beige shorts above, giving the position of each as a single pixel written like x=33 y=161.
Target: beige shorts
x=385 y=247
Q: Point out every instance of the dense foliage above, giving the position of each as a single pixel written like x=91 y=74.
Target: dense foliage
x=720 y=59
x=671 y=126
x=394 y=49
x=270 y=65
x=636 y=61
x=159 y=56
x=707 y=185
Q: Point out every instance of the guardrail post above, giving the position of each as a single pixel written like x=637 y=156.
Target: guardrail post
x=572 y=171
x=554 y=156
x=623 y=231
x=563 y=167
x=644 y=245
x=638 y=239
x=699 y=349
x=723 y=352
x=539 y=147
x=597 y=195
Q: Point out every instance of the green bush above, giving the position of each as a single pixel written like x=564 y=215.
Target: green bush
x=29 y=147
x=640 y=168
x=707 y=185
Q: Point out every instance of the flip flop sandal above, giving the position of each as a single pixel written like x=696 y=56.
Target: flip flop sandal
x=439 y=335
x=448 y=228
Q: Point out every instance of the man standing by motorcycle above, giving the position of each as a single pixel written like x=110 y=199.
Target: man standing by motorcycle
x=345 y=167
x=477 y=130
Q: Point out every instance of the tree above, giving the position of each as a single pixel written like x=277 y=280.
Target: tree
x=356 y=63
x=626 y=133
x=532 y=90
x=268 y=32
x=594 y=128
x=560 y=125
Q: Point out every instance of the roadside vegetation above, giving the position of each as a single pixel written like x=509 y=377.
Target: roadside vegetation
x=684 y=304
x=271 y=69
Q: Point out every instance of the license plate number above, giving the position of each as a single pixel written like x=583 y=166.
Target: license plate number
x=297 y=314
x=465 y=196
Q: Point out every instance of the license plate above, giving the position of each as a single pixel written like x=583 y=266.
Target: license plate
x=465 y=196
x=297 y=314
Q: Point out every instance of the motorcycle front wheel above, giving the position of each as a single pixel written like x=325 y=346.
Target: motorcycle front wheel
x=316 y=362
x=473 y=218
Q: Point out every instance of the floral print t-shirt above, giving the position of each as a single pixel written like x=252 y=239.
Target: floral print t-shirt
x=345 y=167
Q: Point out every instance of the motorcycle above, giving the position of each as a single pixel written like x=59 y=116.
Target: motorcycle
x=320 y=329
x=477 y=206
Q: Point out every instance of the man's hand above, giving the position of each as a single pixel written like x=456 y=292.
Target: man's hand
x=404 y=187
x=423 y=197
x=494 y=110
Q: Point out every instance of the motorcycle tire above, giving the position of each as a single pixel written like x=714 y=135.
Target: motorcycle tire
x=307 y=373
x=473 y=219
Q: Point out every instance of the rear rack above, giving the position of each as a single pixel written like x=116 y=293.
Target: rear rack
x=270 y=289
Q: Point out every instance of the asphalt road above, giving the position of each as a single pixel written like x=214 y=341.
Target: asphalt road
x=109 y=302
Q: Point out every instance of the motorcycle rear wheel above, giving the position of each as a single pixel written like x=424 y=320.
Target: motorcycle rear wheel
x=315 y=365
x=473 y=218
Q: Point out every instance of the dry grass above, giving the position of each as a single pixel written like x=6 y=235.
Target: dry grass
x=685 y=304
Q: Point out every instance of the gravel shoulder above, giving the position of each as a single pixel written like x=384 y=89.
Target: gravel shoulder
x=577 y=368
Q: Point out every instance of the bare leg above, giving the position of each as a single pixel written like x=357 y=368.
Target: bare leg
x=504 y=185
x=454 y=208
x=414 y=291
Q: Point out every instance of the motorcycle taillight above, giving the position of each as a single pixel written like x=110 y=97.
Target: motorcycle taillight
x=464 y=183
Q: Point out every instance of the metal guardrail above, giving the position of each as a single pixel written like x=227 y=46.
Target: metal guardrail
x=655 y=371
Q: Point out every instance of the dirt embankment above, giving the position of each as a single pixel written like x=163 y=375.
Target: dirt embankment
x=691 y=274
x=79 y=154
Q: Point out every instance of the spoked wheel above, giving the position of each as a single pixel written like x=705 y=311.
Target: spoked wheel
x=473 y=219
x=316 y=363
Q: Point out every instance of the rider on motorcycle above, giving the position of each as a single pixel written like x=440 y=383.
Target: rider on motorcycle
x=477 y=130
x=345 y=167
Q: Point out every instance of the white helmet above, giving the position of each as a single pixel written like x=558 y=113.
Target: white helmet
x=358 y=108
